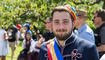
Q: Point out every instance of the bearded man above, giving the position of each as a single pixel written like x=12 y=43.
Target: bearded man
x=66 y=45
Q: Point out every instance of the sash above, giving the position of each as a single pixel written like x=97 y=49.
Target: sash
x=53 y=51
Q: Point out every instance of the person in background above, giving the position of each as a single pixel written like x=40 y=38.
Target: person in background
x=27 y=29
x=4 y=45
x=83 y=30
x=99 y=22
x=19 y=32
x=19 y=28
x=12 y=38
x=28 y=43
x=39 y=38
x=22 y=31
x=31 y=47
x=49 y=34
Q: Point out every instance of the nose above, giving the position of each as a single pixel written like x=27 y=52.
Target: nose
x=61 y=25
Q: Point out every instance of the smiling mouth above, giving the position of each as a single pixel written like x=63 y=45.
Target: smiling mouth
x=63 y=30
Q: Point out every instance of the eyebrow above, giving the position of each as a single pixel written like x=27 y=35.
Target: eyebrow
x=58 y=19
x=65 y=19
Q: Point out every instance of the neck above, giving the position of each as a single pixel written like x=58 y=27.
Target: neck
x=50 y=30
x=81 y=25
x=61 y=43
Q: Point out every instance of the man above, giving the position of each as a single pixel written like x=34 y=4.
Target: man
x=13 y=38
x=84 y=31
x=66 y=45
x=99 y=22
x=49 y=34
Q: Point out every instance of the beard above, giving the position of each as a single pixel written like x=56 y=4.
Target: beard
x=64 y=36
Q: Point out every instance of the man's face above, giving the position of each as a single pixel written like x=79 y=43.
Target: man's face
x=62 y=25
x=96 y=20
x=48 y=25
x=80 y=22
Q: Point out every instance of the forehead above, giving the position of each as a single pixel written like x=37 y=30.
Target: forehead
x=61 y=15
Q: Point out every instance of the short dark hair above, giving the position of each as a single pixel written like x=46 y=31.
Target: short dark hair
x=60 y=9
x=101 y=13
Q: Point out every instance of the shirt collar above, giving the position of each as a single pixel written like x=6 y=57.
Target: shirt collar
x=82 y=28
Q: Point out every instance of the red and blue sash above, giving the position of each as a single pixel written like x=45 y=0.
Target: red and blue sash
x=53 y=51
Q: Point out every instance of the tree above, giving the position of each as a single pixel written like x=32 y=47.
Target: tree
x=36 y=11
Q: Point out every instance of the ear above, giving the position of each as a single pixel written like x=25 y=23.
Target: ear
x=74 y=23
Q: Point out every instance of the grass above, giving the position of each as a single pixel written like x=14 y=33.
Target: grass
x=16 y=53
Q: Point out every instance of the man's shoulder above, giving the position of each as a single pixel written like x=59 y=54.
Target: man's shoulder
x=88 y=29
x=84 y=43
x=46 y=34
x=44 y=45
x=103 y=28
x=2 y=30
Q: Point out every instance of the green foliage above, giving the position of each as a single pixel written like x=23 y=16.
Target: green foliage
x=36 y=11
